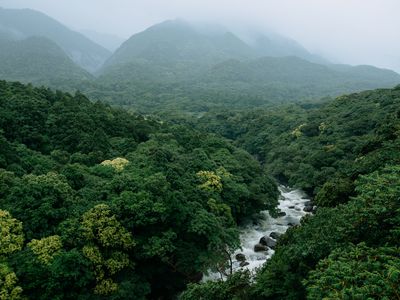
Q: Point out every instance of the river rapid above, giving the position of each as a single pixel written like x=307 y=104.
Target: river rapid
x=292 y=203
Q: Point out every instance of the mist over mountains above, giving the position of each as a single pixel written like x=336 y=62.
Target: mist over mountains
x=203 y=62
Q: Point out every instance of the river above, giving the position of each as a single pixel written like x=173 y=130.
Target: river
x=291 y=203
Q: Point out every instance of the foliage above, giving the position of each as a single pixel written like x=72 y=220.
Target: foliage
x=111 y=203
x=12 y=236
x=8 y=284
x=359 y=272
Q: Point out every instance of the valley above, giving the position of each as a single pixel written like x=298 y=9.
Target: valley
x=191 y=161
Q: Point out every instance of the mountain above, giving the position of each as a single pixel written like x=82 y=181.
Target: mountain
x=38 y=60
x=178 y=42
x=23 y=23
x=109 y=41
x=178 y=61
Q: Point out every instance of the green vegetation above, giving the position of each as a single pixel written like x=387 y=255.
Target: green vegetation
x=100 y=203
x=346 y=152
x=47 y=63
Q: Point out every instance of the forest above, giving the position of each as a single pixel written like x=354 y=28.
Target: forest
x=97 y=202
x=133 y=173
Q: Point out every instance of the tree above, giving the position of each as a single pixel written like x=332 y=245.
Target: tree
x=108 y=242
x=358 y=272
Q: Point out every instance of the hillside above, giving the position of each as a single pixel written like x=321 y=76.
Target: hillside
x=345 y=153
x=99 y=203
x=23 y=23
x=39 y=61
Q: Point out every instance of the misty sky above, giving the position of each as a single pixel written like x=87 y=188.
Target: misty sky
x=346 y=31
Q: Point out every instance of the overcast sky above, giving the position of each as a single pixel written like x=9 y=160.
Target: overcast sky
x=346 y=31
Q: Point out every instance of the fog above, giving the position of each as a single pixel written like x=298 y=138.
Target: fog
x=343 y=31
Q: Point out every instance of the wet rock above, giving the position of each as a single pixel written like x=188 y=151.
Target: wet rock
x=243 y=264
x=260 y=248
x=267 y=241
x=281 y=214
x=291 y=207
x=240 y=257
x=290 y=224
x=308 y=208
x=275 y=235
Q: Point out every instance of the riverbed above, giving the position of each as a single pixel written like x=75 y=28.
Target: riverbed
x=291 y=204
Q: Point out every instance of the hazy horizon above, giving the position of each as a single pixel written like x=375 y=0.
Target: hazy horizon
x=351 y=32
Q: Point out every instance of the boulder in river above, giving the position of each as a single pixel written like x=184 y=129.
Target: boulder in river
x=240 y=257
x=275 y=235
x=243 y=264
x=281 y=214
x=267 y=241
x=260 y=248
x=309 y=206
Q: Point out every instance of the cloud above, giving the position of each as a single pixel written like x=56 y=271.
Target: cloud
x=348 y=31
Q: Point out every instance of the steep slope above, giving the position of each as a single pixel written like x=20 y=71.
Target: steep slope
x=39 y=61
x=23 y=23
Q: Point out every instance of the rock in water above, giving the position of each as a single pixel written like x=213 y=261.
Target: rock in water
x=267 y=241
x=243 y=264
x=260 y=248
x=240 y=257
x=275 y=235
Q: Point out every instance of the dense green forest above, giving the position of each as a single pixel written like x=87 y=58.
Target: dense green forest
x=345 y=152
x=98 y=203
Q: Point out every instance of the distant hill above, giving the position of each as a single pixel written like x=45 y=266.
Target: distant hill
x=180 y=65
x=23 y=23
x=178 y=42
x=40 y=61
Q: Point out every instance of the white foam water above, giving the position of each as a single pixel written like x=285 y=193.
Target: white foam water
x=292 y=203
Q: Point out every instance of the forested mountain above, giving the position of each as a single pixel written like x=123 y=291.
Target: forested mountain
x=22 y=23
x=345 y=152
x=98 y=203
x=40 y=61
x=176 y=64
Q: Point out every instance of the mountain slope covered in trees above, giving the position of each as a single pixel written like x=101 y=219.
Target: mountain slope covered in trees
x=39 y=61
x=23 y=23
x=346 y=153
x=98 y=203
x=178 y=65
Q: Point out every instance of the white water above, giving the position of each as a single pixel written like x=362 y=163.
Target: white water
x=291 y=202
